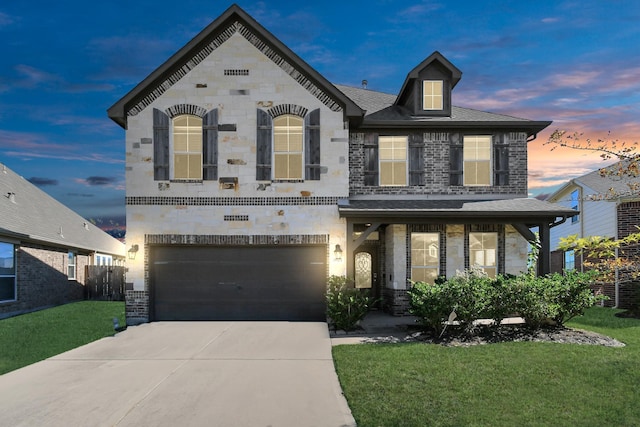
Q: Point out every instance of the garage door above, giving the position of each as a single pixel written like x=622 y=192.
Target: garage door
x=238 y=283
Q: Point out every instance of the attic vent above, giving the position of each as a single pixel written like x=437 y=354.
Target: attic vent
x=236 y=217
x=236 y=72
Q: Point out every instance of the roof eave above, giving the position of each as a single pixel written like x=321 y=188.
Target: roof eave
x=532 y=127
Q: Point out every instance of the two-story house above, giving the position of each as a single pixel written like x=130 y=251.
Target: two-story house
x=251 y=178
x=609 y=206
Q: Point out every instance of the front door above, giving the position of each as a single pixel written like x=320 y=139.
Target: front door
x=367 y=269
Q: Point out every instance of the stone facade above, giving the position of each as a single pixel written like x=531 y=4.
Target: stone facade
x=42 y=279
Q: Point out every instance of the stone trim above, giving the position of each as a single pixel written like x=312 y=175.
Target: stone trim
x=180 y=109
x=230 y=201
x=216 y=42
x=227 y=240
x=282 y=109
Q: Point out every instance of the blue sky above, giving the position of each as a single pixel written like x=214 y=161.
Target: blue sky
x=62 y=64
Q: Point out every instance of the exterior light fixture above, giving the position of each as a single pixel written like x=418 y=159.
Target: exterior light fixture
x=132 y=252
x=338 y=253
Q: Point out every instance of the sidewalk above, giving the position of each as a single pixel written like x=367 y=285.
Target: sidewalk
x=377 y=327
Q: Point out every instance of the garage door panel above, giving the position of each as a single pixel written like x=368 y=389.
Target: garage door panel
x=239 y=283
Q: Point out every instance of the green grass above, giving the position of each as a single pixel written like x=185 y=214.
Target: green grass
x=32 y=337
x=507 y=384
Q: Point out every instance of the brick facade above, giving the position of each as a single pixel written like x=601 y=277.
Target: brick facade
x=41 y=275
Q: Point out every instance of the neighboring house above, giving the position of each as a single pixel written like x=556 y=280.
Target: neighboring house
x=44 y=247
x=610 y=207
x=251 y=178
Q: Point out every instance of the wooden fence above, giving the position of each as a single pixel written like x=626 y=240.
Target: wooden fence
x=104 y=283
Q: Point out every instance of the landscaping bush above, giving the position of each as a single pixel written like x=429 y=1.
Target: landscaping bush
x=553 y=299
x=346 y=305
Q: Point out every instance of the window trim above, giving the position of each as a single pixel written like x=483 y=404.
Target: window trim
x=72 y=256
x=437 y=265
x=300 y=153
x=14 y=275
x=575 y=204
x=172 y=148
x=393 y=161
x=496 y=267
x=465 y=174
x=431 y=96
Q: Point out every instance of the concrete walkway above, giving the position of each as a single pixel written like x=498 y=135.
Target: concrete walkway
x=184 y=374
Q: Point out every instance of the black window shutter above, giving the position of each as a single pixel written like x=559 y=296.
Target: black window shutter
x=160 y=145
x=500 y=160
x=263 y=146
x=455 y=160
x=416 y=162
x=210 y=145
x=312 y=145
x=371 y=159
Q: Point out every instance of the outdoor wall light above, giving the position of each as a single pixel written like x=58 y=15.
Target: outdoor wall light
x=338 y=253
x=132 y=252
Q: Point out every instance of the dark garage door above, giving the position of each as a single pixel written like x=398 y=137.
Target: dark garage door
x=238 y=283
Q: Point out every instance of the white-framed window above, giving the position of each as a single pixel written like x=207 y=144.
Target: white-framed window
x=432 y=95
x=477 y=160
x=483 y=251
x=569 y=260
x=393 y=160
x=575 y=200
x=425 y=257
x=71 y=265
x=7 y=272
x=288 y=147
x=187 y=147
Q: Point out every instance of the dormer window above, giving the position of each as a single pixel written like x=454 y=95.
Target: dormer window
x=432 y=95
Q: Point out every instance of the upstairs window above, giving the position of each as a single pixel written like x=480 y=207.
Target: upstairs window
x=432 y=95
x=7 y=272
x=393 y=160
x=288 y=147
x=187 y=147
x=477 y=160
x=483 y=250
x=575 y=197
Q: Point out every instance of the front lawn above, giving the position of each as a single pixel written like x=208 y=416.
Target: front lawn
x=32 y=337
x=507 y=384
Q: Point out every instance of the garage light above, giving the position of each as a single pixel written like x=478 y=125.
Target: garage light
x=338 y=253
x=132 y=252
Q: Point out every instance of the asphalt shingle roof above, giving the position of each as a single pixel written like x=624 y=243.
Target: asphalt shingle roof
x=28 y=213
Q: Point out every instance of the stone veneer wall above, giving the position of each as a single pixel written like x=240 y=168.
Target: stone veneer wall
x=42 y=279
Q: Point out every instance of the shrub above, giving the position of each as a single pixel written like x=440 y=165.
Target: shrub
x=430 y=304
x=571 y=294
x=469 y=293
x=346 y=305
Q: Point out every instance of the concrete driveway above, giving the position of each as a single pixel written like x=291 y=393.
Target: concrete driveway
x=184 y=374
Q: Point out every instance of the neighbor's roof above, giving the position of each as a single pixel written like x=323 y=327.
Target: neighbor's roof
x=596 y=184
x=208 y=40
x=380 y=111
x=29 y=214
x=524 y=210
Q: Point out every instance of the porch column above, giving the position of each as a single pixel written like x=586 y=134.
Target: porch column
x=544 y=256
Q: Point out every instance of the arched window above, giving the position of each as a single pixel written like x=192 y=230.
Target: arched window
x=187 y=147
x=288 y=145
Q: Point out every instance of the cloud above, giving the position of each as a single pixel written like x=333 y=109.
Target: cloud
x=550 y=20
x=30 y=77
x=5 y=20
x=100 y=180
x=42 y=182
x=80 y=195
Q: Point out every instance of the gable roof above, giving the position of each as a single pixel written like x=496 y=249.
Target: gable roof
x=436 y=56
x=381 y=111
x=28 y=213
x=233 y=20
x=597 y=185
